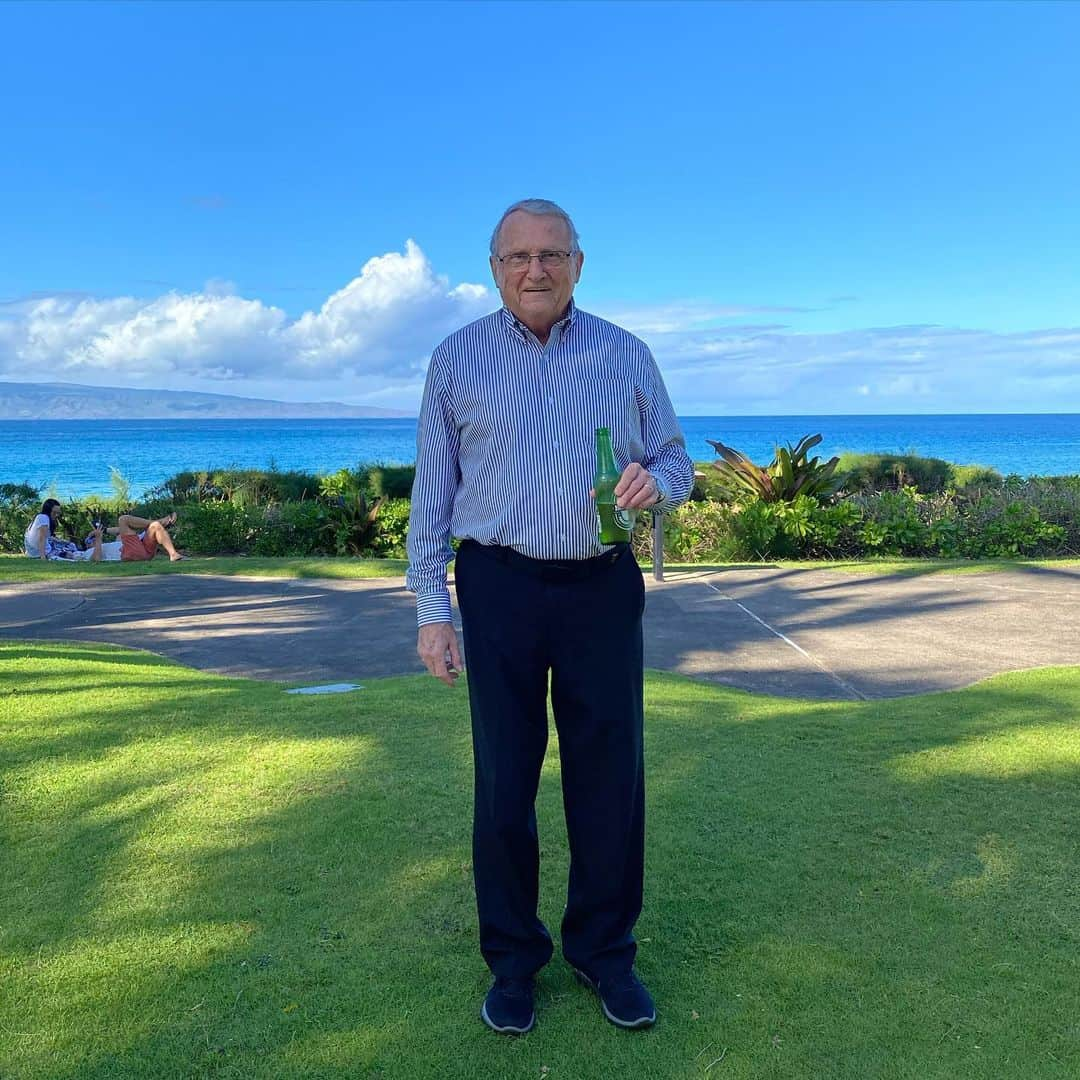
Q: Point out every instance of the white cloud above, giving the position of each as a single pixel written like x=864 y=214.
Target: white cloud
x=369 y=343
x=383 y=323
x=774 y=370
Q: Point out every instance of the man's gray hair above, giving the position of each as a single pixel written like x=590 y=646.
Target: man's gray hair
x=543 y=208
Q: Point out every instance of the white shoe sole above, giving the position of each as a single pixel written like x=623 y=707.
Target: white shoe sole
x=630 y=1025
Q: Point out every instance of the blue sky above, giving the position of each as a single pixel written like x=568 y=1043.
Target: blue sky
x=802 y=207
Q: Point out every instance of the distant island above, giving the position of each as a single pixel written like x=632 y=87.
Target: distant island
x=70 y=401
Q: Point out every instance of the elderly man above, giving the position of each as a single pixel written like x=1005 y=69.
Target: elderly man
x=505 y=458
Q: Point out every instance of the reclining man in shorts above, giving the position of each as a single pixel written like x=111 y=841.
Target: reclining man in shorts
x=137 y=540
x=140 y=538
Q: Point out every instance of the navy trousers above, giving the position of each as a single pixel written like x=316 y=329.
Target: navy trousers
x=580 y=623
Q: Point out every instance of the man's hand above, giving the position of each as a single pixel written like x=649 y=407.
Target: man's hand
x=436 y=645
x=636 y=489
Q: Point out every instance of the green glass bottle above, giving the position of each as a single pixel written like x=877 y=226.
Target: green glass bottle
x=615 y=525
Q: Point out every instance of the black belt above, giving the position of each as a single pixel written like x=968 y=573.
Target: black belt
x=553 y=570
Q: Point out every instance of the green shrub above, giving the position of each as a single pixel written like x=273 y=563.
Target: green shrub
x=802 y=528
x=18 y=505
x=1017 y=528
x=758 y=530
x=893 y=524
x=388 y=481
x=834 y=531
x=1058 y=500
x=219 y=528
x=249 y=487
x=343 y=482
x=946 y=536
x=965 y=477
x=975 y=514
x=698 y=532
x=296 y=529
x=891 y=472
x=391 y=529
x=903 y=522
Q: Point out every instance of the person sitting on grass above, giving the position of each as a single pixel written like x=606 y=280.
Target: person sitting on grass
x=40 y=540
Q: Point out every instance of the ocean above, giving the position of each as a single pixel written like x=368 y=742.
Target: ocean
x=73 y=457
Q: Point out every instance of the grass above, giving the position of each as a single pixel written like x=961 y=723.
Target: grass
x=18 y=569
x=204 y=877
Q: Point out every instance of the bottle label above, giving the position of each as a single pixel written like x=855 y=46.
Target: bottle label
x=615 y=525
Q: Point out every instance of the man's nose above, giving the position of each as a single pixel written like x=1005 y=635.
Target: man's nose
x=536 y=270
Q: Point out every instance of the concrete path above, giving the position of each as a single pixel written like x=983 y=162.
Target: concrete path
x=794 y=633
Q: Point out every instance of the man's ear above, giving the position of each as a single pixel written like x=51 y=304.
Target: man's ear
x=493 y=263
x=579 y=261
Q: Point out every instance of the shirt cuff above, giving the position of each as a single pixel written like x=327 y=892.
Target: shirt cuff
x=433 y=607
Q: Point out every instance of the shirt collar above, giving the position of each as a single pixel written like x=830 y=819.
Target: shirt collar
x=564 y=323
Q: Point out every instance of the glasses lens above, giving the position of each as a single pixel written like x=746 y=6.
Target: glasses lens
x=517 y=261
x=551 y=259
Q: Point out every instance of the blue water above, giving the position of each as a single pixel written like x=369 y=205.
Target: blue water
x=73 y=457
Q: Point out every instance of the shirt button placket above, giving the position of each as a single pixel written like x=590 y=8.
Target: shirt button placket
x=556 y=503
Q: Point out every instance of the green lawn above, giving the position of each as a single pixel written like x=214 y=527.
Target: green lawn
x=204 y=877
x=17 y=568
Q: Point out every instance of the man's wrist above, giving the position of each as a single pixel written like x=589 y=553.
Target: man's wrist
x=662 y=493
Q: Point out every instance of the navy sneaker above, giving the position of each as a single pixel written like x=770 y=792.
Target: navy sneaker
x=508 y=1007
x=624 y=999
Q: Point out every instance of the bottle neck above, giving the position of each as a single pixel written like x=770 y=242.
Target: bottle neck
x=605 y=457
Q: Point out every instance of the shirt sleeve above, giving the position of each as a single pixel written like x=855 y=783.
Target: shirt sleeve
x=665 y=447
x=437 y=477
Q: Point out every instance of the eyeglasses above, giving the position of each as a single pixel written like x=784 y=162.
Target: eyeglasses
x=549 y=260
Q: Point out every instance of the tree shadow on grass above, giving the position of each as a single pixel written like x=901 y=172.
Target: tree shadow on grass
x=816 y=876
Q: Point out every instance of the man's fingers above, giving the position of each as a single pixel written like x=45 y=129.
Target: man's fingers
x=437 y=646
x=633 y=478
x=637 y=497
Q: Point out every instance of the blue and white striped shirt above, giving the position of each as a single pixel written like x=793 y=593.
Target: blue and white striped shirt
x=506 y=442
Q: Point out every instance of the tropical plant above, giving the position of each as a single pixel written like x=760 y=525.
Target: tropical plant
x=351 y=525
x=790 y=474
x=121 y=488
